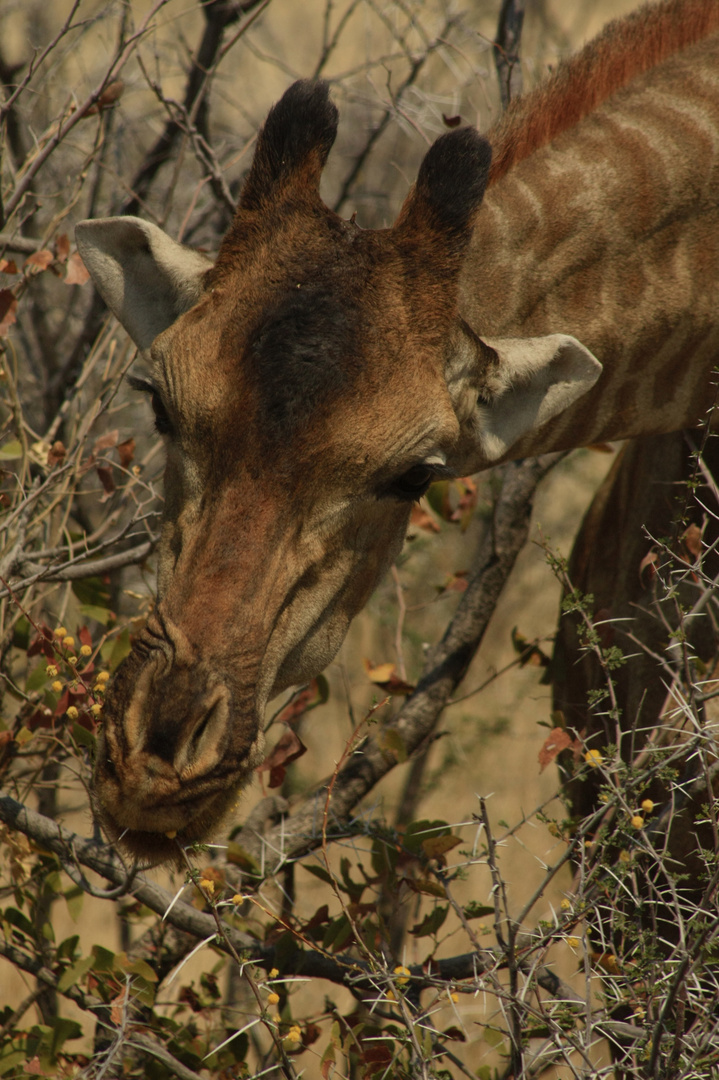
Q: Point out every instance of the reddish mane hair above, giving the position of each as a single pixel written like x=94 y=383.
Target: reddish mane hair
x=625 y=49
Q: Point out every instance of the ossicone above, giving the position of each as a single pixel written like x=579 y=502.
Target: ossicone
x=449 y=189
x=292 y=145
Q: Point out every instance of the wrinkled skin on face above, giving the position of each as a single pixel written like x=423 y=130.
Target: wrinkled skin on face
x=310 y=386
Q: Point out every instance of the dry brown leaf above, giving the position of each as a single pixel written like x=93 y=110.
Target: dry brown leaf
x=286 y=750
x=8 y=266
x=56 y=453
x=62 y=247
x=420 y=519
x=40 y=260
x=692 y=539
x=126 y=452
x=557 y=740
x=8 y=311
x=76 y=270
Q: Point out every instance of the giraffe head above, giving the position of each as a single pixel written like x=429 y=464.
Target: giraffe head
x=310 y=385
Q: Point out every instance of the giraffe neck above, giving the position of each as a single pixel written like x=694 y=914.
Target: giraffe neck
x=612 y=234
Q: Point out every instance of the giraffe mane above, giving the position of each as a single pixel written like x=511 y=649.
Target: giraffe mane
x=625 y=49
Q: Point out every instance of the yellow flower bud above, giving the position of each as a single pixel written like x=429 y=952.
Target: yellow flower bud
x=61 y=632
x=68 y=642
x=51 y=671
x=208 y=884
x=275 y=971
x=238 y=898
x=565 y=904
x=647 y=805
x=72 y=660
x=72 y=713
x=272 y=998
x=573 y=942
x=454 y=997
x=390 y=996
x=294 y=1034
x=86 y=650
x=96 y=709
x=56 y=686
x=637 y=821
x=102 y=676
x=625 y=857
x=593 y=758
x=404 y=975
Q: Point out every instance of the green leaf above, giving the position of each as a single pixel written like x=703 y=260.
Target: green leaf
x=102 y=959
x=66 y=948
x=475 y=910
x=92 y=591
x=74 y=898
x=319 y=872
x=63 y=1029
x=82 y=736
x=73 y=974
x=237 y=855
x=493 y=1037
x=143 y=969
x=99 y=614
x=11 y=450
x=431 y=923
x=114 y=651
x=418 y=831
x=37 y=677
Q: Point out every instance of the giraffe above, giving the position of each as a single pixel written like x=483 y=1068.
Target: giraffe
x=541 y=289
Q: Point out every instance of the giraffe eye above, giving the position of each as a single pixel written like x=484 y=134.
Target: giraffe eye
x=163 y=424
x=412 y=484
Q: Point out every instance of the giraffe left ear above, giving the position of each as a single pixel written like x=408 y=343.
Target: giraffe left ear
x=506 y=389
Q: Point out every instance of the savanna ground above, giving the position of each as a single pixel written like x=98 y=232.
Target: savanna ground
x=434 y=927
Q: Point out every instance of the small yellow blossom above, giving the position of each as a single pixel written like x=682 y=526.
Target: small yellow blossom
x=625 y=857
x=238 y=898
x=275 y=971
x=403 y=973
x=68 y=642
x=51 y=671
x=276 y=1019
x=102 y=676
x=72 y=713
x=593 y=758
x=273 y=998
x=390 y=995
x=565 y=904
x=637 y=821
x=85 y=650
x=294 y=1034
x=573 y=942
x=639 y=1013
x=61 y=632
x=56 y=686
x=96 y=709
x=647 y=805
x=72 y=660
x=454 y=997
x=604 y=797
x=208 y=884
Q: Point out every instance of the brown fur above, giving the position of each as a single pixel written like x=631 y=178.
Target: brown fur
x=625 y=49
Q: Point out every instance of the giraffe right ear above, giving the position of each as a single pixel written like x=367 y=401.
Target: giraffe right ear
x=146 y=279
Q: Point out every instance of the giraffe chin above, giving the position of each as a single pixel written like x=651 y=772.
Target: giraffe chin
x=151 y=847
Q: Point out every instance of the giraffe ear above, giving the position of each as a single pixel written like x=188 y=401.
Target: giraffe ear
x=292 y=146
x=146 y=279
x=506 y=389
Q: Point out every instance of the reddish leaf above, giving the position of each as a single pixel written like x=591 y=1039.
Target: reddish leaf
x=126 y=452
x=421 y=519
x=8 y=266
x=455 y=1033
x=56 y=453
x=557 y=740
x=692 y=540
x=111 y=93
x=118 y=1006
x=105 y=442
x=33 y=1067
x=105 y=474
x=42 y=643
x=40 y=260
x=452 y=121
x=467 y=502
x=648 y=569
x=76 y=271
x=604 y=628
x=287 y=750
x=380 y=673
x=310 y=1034
x=297 y=706
x=8 y=308
x=457 y=582
x=62 y=247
